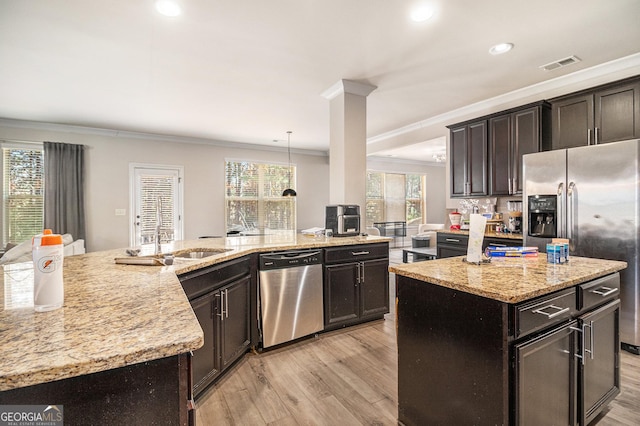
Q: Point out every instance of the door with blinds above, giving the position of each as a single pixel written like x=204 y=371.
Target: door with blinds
x=156 y=204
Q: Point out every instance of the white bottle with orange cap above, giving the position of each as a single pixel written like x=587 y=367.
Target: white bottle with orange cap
x=48 y=257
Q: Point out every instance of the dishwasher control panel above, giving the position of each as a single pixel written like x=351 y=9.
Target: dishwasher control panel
x=290 y=259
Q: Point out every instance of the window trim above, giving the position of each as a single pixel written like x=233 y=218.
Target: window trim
x=16 y=144
x=261 y=199
x=132 y=197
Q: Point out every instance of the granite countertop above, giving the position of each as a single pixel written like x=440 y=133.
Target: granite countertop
x=115 y=315
x=486 y=234
x=509 y=280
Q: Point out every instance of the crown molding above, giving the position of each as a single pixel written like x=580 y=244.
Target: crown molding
x=113 y=133
x=623 y=64
x=348 y=86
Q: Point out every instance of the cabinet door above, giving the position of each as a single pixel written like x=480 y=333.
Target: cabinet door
x=600 y=371
x=617 y=113
x=500 y=155
x=204 y=362
x=341 y=301
x=374 y=287
x=572 y=122
x=477 y=167
x=545 y=379
x=450 y=251
x=234 y=321
x=526 y=140
x=458 y=154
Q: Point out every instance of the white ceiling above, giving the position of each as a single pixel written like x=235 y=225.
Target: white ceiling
x=248 y=71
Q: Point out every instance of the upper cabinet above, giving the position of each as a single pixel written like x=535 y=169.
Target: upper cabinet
x=486 y=153
x=468 y=155
x=603 y=114
x=512 y=135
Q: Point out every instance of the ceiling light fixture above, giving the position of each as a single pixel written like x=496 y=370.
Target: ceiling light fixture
x=439 y=158
x=289 y=192
x=501 y=48
x=421 y=13
x=168 y=8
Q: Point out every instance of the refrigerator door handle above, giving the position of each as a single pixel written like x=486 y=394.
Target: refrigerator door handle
x=571 y=216
x=588 y=136
x=561 y=226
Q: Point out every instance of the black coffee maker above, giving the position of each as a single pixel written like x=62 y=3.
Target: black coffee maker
x=542 y=216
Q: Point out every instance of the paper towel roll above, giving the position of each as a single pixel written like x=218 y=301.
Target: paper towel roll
x=477 y=224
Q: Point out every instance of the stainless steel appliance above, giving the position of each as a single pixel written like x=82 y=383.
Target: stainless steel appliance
x=590 y=195
x=290 y=295
x=343 y=219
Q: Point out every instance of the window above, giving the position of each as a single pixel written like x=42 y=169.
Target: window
x=155 y=186
x=23 y=194
x=395 y=197
x=253 y=197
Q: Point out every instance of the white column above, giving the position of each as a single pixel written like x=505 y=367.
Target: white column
x=348 y=142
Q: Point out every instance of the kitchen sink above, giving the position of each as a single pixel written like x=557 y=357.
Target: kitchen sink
x=198 y=253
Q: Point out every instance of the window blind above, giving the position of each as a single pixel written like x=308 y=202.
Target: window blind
x=23 y=195
x=380 y=198
x=253 y=197
x=154 y=187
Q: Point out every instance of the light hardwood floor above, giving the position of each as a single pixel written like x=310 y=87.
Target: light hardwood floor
x=345 y=377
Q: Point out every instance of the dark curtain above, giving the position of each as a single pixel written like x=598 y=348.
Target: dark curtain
x=64 y=189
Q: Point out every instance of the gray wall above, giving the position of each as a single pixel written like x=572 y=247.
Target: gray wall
x=109 y=154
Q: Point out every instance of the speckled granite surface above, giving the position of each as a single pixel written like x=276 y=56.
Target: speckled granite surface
x=509 y=280
x=486 y=234
x=114 y=315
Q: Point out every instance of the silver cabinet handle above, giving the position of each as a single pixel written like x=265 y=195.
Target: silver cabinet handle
x=359 y=253
x=559 y=311
x=597 y=136
x=515 y=185
x=358 y=274
x=226 y=299
x=583 y=346
x=590 y=325
x=362 y=277
x=604 y=291
x=221 y=296
x=588 y=136
x=452 y=240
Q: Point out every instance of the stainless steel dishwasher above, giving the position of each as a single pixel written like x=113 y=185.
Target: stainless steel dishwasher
x=290 y=295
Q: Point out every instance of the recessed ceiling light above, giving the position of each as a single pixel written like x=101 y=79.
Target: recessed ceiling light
x=501 y=48
x=168 y=8
x=421 y=13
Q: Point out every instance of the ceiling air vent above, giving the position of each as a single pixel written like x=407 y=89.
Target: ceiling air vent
x=560 y=63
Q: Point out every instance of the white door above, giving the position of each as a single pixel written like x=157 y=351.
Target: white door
x=156 y=199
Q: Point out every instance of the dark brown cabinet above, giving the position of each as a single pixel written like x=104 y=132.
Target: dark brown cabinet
x=512 y=135
x=468 y=152
x=553 y=359
x=356 y=284
x=220 y=297
x=604 y=114
x=450 y=244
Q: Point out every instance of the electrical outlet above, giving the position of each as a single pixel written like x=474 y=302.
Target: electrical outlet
x=120 y=212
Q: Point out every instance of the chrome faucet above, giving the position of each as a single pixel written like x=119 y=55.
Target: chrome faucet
x=158 y=249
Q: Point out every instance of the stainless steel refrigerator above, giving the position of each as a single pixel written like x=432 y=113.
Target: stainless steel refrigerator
x=590 y=195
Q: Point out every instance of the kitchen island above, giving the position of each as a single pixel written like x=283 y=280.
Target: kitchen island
x=119 y=347
x=514 y=341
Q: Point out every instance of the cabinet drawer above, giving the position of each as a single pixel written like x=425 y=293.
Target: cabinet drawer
x=598 y=291
x=356 y=253
x=453 y=239
x=543 y=312
x=201 y=281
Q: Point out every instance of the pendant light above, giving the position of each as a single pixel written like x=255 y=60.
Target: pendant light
x=289 y=192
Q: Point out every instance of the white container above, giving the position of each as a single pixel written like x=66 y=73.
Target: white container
x=48 y=285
